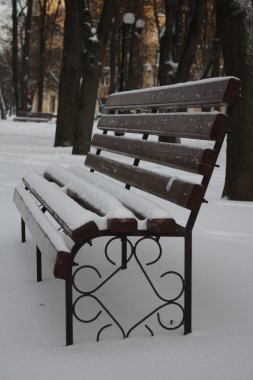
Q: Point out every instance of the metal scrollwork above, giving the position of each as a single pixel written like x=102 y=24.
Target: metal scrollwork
x=162 y=275
x=97 y=315
x=167 y=303
x=109 y=243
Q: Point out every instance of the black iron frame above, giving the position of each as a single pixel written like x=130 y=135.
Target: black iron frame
x=71 y=284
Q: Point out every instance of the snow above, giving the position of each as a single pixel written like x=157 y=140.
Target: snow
x=63 y=206
x=49 y=240
x=32 y=314
x=174 y=86
x=94 y=196
x=94 y=38
x=143 y=206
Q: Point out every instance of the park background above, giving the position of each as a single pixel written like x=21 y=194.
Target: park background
x=64 y=57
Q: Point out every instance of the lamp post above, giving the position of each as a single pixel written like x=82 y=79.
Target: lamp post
x=135 y=63
x=128 y=19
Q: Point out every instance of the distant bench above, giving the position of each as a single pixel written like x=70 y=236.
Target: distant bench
x=34 y=116
x=64 y=209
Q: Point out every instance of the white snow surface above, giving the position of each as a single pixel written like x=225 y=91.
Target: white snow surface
x=175 y=86
x=95 y=196
x=32 y=320
x=49 y=240
x=146 y=207
x=63 y=206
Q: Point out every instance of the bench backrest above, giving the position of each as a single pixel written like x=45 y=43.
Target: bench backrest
x=161 y=111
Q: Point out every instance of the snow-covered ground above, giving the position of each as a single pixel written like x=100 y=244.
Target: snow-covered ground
x=32 y=335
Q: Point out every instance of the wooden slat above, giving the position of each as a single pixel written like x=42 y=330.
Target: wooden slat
x=183 y=193
x=162 y=221
x=178 y=156
x=196 y=125
x=94 y=199
x=76 y=222
x=47 y=238
x=31 y=119
x=214 y=91
x=157 y=218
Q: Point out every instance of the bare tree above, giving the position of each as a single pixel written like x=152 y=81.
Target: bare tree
x=94 y=47
x=15 y=53
x=114 y=55
x=134 y=78
x=70 y=76
x=25 y=57
x=42 y=51
x=2 y=104
x=180 y=37
x=235 y=28
x=191 y=43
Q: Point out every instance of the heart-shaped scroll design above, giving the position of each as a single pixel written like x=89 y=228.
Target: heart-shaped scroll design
x=165 y=302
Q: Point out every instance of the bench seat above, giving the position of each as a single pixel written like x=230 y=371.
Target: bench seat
x=149 y=215
x=84 y=205
x=32 y=119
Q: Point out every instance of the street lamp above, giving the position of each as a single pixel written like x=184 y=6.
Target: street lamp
x=128 y=19
x=140 y=24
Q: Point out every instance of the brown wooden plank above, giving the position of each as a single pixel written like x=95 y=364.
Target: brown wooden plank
x=115 y=225
x=183 y=193
x=143 y=208
x=190 y=159
x=77 y=234
x=195 y=125
x=161 y=226
x=63 y=177
x=213 y=91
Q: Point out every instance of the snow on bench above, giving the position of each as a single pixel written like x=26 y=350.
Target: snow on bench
x=102 y=211
x=48 y=239
x=31 y=119
x=148 y=213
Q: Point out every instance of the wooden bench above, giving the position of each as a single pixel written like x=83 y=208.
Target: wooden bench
x=65 y=209
x=38 y=117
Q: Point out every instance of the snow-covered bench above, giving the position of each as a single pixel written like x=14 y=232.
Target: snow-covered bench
x=38 y=117
x=65 y=208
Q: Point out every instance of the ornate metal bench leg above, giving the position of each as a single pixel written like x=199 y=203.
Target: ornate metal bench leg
x=23 y=238
x=39 y=265
x=69 y=310
x=188 y=283
x=124 y=252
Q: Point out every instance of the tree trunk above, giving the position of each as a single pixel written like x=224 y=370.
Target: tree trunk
x=25 y=60
x=235 y=27
x=70 y=76
x=15 y=52
x=135 y=71
x=134 y=59
x=87 y=101
x=93 y=57
x=192 y=42
x=113 y=57
x=167 y=66
x=2 y=105
x=42 y=46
